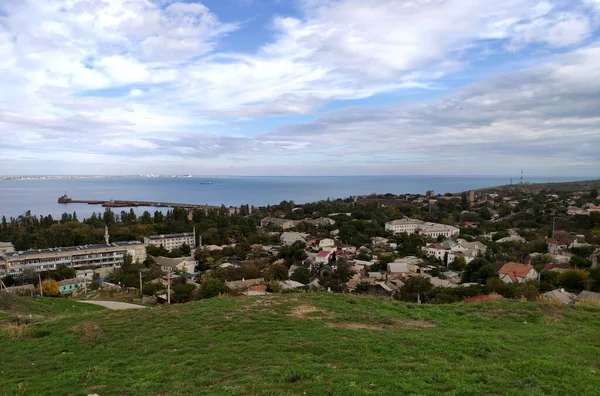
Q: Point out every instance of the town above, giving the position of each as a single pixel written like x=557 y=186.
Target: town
x=478 y=245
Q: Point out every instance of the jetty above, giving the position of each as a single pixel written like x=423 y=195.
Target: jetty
x=128 y=203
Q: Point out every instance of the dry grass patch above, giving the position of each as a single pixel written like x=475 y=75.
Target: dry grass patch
x=306 y=311
x=396 y=324
x=90 y=331
x=15 y=331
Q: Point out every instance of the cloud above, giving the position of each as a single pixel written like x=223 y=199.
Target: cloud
x=139 y=78
x=546 y=113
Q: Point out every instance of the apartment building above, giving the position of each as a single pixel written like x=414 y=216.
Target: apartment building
x=412 y=226
x=79 y=257
x=171 y=241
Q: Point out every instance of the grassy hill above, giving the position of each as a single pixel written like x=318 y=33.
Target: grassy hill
x=312 y=344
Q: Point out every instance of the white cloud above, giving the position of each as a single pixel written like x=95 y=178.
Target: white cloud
x=165 y=78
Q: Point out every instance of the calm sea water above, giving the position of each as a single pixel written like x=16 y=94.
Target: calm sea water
x=40 y=196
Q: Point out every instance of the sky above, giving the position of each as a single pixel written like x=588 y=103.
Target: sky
x=300 y=87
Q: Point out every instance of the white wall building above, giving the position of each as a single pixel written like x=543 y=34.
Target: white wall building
x=412 y=226
x=171 y=241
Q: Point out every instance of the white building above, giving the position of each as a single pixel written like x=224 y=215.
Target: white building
x=171 y=241
x=412 y=226
x=289 y=238
x=449 y=250
x=184 y=264
x=517 y=273
x=6 y=247
x=86 y=256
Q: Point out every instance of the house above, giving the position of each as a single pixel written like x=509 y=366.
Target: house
x=323 y=257
x=562 y=245
x=243 y=284
x=560 y=295
x=23 y=290
x=183 y=264
x=6 y=247
x=284 y=224
x=256 y=290
x=588 y=297
x=229 y=265
x=289 y=238
x=403 y=265
x=343 y=254
x=290 y=284
x=69 y=286
x=326 y=243
x=320 y=222
x=574 y=210
x=517 y=273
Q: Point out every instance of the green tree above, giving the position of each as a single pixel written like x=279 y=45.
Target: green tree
x=302 y=275
x=573 y=280
x=415 y=288
x=579 y=262
x=479 y=270
x=278 y=271
x=182 y=292
x=459 y=264
x=212 y=288
x=594 y=193
x=343 y=270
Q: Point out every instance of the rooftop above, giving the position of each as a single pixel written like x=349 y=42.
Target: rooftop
x=72 y=249
x=166 y=236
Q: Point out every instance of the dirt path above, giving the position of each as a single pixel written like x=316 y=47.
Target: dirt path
x=113 y=304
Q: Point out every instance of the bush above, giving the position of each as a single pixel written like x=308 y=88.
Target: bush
x=302 y=275
x=573 y=280
x=182 y=292
x=94 y=285
x=212 y=288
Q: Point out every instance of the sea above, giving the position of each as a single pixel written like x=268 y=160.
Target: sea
x=40 y=195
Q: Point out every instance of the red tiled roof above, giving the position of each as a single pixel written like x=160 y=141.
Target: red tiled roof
x=343 y=253
x=548 y=267
x=323 y=253
x=515 y=270
x=258 y=288
x=481 y=298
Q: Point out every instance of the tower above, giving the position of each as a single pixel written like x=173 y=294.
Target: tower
x=106 y=236
x=521 y=182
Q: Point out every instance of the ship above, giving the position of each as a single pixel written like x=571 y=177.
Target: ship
x=64 y=199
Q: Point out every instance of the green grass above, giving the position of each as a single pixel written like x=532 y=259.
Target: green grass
x=11 y=305
x=313 y=344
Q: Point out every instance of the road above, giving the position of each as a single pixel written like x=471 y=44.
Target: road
x=114 y=304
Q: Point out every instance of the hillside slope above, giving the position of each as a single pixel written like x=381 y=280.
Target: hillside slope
x=310 y=344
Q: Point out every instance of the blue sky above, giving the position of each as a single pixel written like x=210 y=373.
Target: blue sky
x=300 y=87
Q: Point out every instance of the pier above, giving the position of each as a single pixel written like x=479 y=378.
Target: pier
x=126 y=204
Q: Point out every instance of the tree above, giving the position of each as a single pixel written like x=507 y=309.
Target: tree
x=278 y=271
x=212 y=288
x=415 y=289
x=182 y=292
x=579 y=262
x=574 y=280
x=594 y=193
x=343 y=270
x=50 y=288
x=459 y=264
x=302 y=275
x=478 y=270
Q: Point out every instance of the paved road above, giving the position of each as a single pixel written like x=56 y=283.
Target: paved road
x=114 y=304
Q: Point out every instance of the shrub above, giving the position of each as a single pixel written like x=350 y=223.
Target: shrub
x=212 y=288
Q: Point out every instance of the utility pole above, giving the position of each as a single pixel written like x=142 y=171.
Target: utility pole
x=141 y=292
x=553 y=226
x=40 y=279
x=169 y=287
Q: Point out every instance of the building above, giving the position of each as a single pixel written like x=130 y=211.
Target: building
x=289 y=238
x=69 y=286
x=323 y=257
x=517 y=273
x=574 y=210
x=327 y=244
x=430 y=193
x=471 y=197
x=183 y=264
x=6 y=247
x=284 y=224
x=414 y=226
x=404 y=265
x=171 y=241
x=87 y=256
